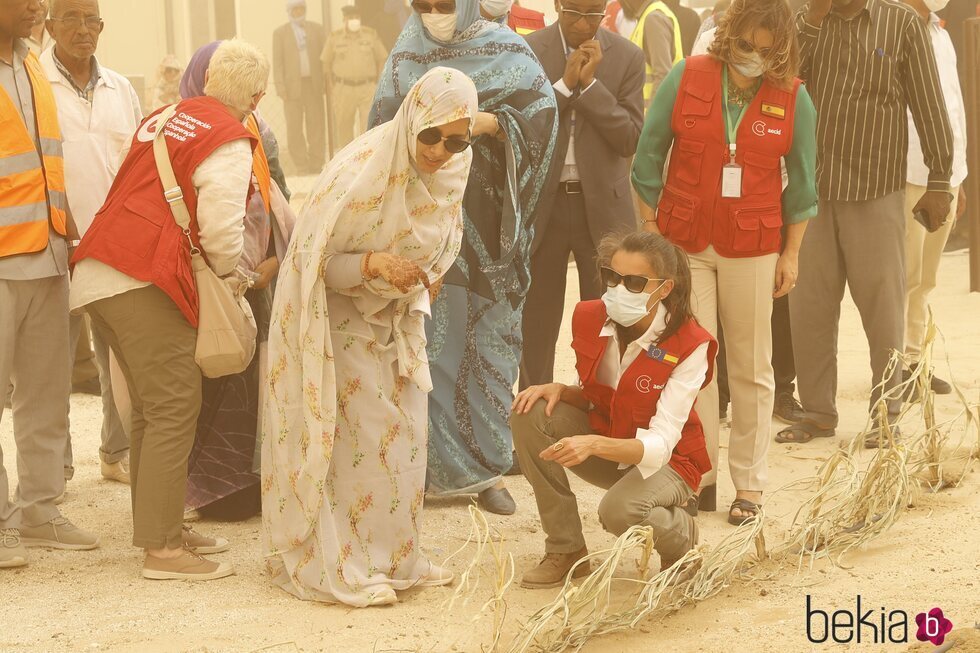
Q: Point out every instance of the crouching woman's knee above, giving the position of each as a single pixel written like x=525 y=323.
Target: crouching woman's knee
x=618 y=514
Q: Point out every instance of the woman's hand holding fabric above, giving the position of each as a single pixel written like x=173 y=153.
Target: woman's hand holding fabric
x=526 y=399
x=485 y=125
x=267 y=271
x=400 y=272
x=787 y=272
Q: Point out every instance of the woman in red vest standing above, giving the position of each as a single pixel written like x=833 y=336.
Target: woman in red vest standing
x=630 y=425
x=729 y=119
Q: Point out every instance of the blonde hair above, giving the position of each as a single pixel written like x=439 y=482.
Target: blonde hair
x=238 y=72
x=783 y=60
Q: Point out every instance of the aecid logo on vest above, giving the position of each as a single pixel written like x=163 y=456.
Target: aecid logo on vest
x=873 y=626
x=759 y=128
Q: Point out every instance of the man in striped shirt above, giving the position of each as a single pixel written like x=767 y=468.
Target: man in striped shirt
x=865 y=62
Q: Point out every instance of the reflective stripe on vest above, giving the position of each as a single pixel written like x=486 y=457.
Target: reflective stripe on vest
x=260 y=165
x=637 y=39
x=34 y=182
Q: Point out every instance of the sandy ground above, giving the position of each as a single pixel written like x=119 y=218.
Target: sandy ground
x=96 y=601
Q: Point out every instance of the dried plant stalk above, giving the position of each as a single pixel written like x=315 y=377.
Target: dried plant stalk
x=592 y=608
x=501 y=573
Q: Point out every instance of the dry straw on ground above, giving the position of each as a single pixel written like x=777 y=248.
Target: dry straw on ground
x=849 y=506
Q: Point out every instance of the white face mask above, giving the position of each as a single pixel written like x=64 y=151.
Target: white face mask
x=936 y=5
x=441 y=27
x=753 y=66
x=626 y=308
x=497 y=8
x=354 y=24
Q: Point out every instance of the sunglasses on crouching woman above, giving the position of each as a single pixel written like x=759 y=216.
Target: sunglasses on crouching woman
x=454 y=144
x=633 y=282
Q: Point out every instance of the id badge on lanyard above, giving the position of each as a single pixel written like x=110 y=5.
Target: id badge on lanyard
x=731 y=177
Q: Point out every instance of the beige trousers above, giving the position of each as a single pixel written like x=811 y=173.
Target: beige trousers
x=923 y=253
x=351 y=106
x=631 y=499
x=34 y=356
x=154 y=346
x=739 y=292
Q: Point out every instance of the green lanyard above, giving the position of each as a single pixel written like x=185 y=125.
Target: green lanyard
x=731 y=129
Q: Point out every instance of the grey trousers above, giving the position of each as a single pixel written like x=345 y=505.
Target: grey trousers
x=115 y=440
x=631 y=499
x=308 y=150
x=567 y=232
x=34 y=357
x=860 y=245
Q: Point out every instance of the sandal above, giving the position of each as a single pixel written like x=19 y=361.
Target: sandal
x=804 y=432
x=877 y=440
x=745 y=506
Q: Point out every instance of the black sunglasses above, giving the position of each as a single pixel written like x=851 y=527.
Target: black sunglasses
x=438 y=7
x=745 y=47
x=633 y=282
x=454 y=144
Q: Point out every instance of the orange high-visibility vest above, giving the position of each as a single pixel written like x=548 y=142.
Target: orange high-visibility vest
x=260 y=165
x=33 y=196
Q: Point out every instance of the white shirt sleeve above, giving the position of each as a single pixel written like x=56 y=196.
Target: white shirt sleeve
x=673 y=410
x=222 y=181
x=562 y=87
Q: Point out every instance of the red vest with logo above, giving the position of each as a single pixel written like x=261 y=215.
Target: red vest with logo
x=525 y=21
x=135 y=232
x=619 y=412
x=692 y=213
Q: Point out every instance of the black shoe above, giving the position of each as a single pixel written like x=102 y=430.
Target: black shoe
x=708 y=498
x=938 y=385
x=787 y=408
x=497 y=501
x=515 y=469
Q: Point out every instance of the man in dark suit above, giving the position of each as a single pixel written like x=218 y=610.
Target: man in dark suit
x=300 y=83
x=598 y=79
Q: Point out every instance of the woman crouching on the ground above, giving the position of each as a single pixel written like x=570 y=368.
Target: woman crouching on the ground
x=629 y=426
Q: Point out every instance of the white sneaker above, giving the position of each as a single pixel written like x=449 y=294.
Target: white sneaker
x=437 y=577
x=118 y=471
x=12 y=551
x=199 y=544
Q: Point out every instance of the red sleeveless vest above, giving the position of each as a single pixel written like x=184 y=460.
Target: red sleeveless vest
x=135 y=232
x=619 y=412
x=692 y=213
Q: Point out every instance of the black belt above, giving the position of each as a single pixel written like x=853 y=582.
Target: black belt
x=355 y=82
x=571 y=187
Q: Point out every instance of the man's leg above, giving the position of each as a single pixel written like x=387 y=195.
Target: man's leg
x=75 y=332
x=814 y=307
x=546 y=298
x=585 y=251
x=535 y=432
x=296 y=141
x=704 y=294
x=877 y=283
x=156 y=346
x=923 y=253
x=364 y=101
x=344 y=110
x=315 y=110
x=115 y=440
x=656 y=502
x=783 y=366
x=13 y=306
x=41 y=376
x=745 y=306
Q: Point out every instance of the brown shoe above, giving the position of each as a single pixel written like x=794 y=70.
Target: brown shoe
x=554 y=568
x=197 y=543
x=188 y=566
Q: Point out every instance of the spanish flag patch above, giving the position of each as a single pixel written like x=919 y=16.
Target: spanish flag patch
x=660 y=355
x=773 y=111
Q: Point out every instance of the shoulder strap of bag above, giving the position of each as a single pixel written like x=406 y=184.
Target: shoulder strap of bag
x=172 y=191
